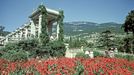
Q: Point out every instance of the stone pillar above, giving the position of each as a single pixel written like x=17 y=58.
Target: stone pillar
x=20 y=34
x=6 y=41
x=39 y=26
x=67 y=53
x=111 y=54
x=26 y=32
x=2 y=42
x=17 y=36
x=50 y=27
x=57 y=30
x=91 y=54
x=32 y=28
x=14 y=36
x=67 y=47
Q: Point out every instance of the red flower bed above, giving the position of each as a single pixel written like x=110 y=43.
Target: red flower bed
x=69 y=66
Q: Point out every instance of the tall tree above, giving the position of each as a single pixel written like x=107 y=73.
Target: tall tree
x=129 y=27
x=129 y=23
x=106 y=39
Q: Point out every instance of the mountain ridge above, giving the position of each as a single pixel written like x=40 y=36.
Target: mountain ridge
x=79 y=27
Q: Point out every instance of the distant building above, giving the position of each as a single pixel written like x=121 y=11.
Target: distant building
x=33 y=27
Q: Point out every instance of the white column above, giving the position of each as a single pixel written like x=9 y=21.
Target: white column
x=2 y=42
x=32 y=28
x=91 y=55
x=6 y=41
x=57 y=30
x=20 y=35
x=26 y=32
x=17 y=36
x=39 y=26
x=12 y=37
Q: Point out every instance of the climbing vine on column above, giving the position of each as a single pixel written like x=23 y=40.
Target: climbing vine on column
x=60 y=22
x=44 y=37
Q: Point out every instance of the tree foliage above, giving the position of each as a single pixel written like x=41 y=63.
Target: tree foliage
x=129 y=27
x=2 y=32
x=44 y=37
x=106 y=39
x=129 y=23
x=60 y=22
x=20 y=50
x=75 y=42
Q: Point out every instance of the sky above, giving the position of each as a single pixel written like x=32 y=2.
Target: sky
x=14 y=13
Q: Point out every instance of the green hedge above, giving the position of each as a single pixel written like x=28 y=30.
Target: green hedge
x=81 y=55
x=128 y=57
x=31 y=48
x=97 y=54
x=57 y=48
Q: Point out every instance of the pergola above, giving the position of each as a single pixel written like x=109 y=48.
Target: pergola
x=33 y=27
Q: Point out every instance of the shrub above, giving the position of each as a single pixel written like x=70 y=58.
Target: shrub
x=96 y=53
x=14 y=55
x=20 y=55
x=57 y=48
x=53 y=49
x=81 y=55
x=11 y=46
x=128 y=57
x=20 y=50
x=30 y=48
x=28 y=45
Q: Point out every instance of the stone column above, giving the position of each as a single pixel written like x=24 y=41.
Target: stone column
x=32 y=28
x=6 y=41
x=26 y=32
x=50 y=23
x=13 y=37
x=57 y=30
x=17 y=36
x=2 y=42
x=20 y=34
x=91 y=55
x=39 y=26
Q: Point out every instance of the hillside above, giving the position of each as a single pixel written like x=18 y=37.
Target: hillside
x=75 y=28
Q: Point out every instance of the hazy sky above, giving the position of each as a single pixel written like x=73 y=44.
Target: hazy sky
x=14 y=13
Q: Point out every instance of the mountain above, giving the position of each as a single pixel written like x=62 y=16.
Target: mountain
x=79 y=27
